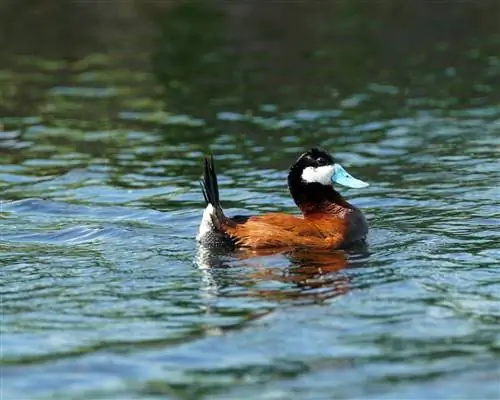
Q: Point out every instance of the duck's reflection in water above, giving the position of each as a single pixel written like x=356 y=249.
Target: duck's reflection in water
x=278 y=274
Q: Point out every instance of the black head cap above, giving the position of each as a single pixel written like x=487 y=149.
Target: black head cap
x=315 y=157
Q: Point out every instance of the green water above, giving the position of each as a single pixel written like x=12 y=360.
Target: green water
x=106 y=111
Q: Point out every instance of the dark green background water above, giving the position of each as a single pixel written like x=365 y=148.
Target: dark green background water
x=106 y=109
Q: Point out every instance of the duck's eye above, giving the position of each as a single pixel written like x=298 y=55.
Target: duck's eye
x=321 y=161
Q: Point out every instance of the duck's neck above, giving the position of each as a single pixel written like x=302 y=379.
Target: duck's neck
x=317 y=198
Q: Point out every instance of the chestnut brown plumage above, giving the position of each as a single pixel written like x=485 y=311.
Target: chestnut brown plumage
x=328 y=221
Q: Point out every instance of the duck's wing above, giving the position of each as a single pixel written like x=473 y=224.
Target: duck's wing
x=280 y=230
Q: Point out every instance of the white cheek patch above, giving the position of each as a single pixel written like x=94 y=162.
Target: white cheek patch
x=322 y=175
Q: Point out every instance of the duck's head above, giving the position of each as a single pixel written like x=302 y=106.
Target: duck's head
x=312 y=176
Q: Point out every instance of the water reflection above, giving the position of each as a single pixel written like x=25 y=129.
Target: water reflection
x=278 y=274
x=202 y=58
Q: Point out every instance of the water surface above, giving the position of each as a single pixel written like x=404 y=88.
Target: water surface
x=105 y=119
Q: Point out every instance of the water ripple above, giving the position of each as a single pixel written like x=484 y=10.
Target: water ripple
x=105 y=293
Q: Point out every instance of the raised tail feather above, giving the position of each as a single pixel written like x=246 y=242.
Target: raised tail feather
x=209 y=185
x=210 y=190
x=214 y=223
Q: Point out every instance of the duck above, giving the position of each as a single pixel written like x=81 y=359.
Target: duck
x=328 y=220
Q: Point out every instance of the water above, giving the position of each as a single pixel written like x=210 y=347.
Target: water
x=105 y=119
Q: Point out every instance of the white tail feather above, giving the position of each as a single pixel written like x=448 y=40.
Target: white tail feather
x=206 y=224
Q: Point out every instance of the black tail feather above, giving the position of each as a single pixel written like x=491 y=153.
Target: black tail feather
x=209 y=185
x=204 y=193
x=210 y=190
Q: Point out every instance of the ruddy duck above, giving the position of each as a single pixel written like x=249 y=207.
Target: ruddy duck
x=328 y=220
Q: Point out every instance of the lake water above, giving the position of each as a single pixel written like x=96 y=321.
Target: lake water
x=106 y=111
